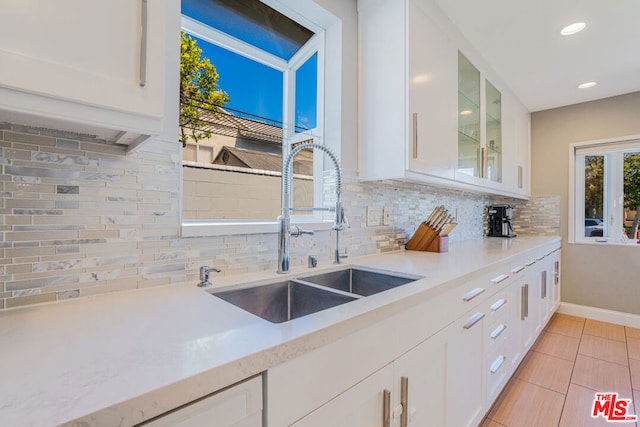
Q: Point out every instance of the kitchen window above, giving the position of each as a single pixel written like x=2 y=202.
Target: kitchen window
x=605 y=192
x=273 y=39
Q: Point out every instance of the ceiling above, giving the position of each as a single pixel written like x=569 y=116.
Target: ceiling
x=522 y=42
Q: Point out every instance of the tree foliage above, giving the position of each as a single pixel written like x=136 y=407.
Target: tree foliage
x=199 y=93
x=632 y=188
x=593 y=186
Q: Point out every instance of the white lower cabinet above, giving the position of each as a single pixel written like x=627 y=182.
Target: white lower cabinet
x=408 y=392
x=237 y=406
x=360 y=406
x=465 y=370
x=449 y=377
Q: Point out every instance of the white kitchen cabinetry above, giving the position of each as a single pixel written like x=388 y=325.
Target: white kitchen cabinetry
x=237 y=406
x=408 y=101
x=93 y=67
x=465 y=370
x=407 y=92
x=409 y=391
x=442 y=361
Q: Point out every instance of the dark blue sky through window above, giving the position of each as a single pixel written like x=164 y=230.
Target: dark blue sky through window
x=253 y=88
x=306 y=93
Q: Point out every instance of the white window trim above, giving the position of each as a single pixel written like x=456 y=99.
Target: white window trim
x=613 y=181
x=329 y=39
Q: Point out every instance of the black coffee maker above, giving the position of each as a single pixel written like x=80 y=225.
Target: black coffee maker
x=500 y=221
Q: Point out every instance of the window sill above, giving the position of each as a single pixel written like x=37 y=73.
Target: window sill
x=231 y=227
x=630 y=242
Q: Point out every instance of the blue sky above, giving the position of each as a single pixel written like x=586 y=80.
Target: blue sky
x=255 y=88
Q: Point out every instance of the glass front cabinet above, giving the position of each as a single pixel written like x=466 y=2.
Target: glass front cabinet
x=479 y=124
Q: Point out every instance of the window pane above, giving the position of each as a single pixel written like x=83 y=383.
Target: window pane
x=631 y=193
x=253 y=88
x=307 y=94
x=252 y=22
x=302 y=193
x=593 y=196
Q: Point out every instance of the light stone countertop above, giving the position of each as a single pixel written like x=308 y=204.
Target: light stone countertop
x=125 y=357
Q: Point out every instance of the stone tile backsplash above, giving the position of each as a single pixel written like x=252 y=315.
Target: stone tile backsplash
x=81 y=217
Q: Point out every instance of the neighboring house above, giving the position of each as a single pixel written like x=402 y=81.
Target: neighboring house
x=240 y=164
x=234 y=130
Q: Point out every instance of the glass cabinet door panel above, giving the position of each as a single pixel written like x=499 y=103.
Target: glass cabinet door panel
x=493 y=140
x=469 y=158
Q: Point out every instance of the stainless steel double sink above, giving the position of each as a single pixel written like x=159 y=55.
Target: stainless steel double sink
x=290 y=299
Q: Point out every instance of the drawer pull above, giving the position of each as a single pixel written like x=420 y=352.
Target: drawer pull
x=498 y=331
x=530 y=263
x=518 y=269
x=386 y=408
x=540 y=258
x=495 y=366
x=500 y=278
x=474 y=293
x=144 y=12
x=473 y=320
x=498 y=304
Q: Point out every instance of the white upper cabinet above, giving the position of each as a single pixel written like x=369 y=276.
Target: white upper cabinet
x=411 y=109
x=86 y=66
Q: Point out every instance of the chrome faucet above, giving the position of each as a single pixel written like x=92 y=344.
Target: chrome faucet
x=285 y=231
x=204 y=275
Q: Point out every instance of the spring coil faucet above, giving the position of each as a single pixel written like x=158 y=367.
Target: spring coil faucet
x=285 y=231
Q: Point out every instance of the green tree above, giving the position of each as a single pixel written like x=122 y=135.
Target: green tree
x=199 y=93
x=632 y=188
x=593 y=186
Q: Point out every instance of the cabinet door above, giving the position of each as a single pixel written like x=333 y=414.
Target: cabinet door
x=237 y=406
x=363 y=405
x=87 y=52
x=432 y=96
x=465 y=370
x=519 y=323
x=424 y=371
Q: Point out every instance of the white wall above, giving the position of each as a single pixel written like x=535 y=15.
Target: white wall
x=597 y=276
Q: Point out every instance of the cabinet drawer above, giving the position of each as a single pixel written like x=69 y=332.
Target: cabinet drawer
x=497 y=374
x=238 y=405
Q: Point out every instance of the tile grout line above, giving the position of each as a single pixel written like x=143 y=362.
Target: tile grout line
x=564 y=403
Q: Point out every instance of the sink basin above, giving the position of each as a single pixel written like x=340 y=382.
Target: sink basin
x=282 y=301
x=358 y=281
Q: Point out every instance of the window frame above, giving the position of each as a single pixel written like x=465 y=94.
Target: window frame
x=613 y=193
x=327 y=36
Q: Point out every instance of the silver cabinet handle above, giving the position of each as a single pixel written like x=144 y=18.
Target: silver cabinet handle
x=498 y=331
x=518 y=269
x=530 y=263
x=414 y=119
x=144 y=11
x=520 y=177
x=526 y=300
x=523 y=298
x=500 y=278
x=386 y=408
x=543 y=284
x=498 y=304
x=472 y=294
x=404 y=401
x=540 y=258
x=473 y=320
x=495 y=366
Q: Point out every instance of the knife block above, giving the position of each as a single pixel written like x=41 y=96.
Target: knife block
x=426 y=239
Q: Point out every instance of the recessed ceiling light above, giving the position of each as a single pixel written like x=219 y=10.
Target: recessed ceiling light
x=573 y=28
x=587 y=85
x=465 y=112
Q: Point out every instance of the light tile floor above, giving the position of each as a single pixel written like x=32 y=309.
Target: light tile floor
x=573 y=358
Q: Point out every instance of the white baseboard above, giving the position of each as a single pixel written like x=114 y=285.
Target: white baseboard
x=601 y=314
